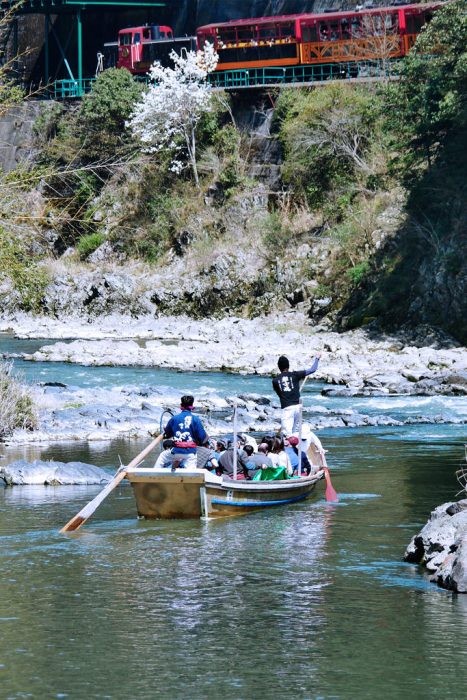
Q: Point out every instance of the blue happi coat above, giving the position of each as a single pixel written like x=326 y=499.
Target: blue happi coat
x=187 y=432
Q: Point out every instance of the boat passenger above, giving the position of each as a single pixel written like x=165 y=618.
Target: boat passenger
x=257 y=460
x=206 y=458
x=287 y=387
x=187 y=432
x=226 y=461
x=291 y=449
x=279 y=456
x=268 y=440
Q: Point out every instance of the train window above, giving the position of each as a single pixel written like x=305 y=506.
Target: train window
x=324 y=31
x=414 y=23
x=125 y=39
x=146 y=33
x=267 y=31
x=334 y=30
x=391 y=22
x=246 y=33
x=356 y=26
x=309 y=33
x=227 y=36
x=286 y=30
x=136 y=38
x=345 y=28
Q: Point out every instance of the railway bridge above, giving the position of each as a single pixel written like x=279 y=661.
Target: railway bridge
x=261 y=53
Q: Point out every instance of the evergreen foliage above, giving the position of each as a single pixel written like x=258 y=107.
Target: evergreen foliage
x=103 y=113
x=18 y=265
x=327 y=136
x=427 y=106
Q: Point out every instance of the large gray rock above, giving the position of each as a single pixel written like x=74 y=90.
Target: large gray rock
x=51 y=473
x=442 y=546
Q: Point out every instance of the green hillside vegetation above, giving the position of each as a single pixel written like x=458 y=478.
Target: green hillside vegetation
x=368 y=226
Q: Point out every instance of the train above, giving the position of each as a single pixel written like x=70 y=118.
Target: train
x=137 y=48
x=284 y=40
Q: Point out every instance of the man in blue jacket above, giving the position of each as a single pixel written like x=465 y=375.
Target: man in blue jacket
x=187 y=432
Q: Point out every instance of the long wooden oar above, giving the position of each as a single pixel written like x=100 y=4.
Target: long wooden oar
x=86 y=512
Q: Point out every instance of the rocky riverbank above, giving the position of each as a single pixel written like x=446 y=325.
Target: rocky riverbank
x=70 y=413
x=353 y=363
x=442 y=546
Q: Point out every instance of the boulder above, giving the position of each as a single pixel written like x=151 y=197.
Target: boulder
x=41 y=472
x=442 y=546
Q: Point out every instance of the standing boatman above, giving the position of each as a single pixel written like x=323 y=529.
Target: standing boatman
x=287 y=387
x=187 y=432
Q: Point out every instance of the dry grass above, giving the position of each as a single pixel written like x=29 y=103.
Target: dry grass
x=17 y=409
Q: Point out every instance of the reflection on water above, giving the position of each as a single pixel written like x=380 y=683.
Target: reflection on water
x=307 y=601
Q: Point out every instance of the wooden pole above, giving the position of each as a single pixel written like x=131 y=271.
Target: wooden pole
x=300 y=422
x=235 y=441
x=85 y=513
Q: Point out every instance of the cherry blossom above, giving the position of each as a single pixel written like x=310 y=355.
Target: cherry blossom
x=168 y=113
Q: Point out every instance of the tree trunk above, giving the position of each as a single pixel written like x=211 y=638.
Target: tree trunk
x=191 y=146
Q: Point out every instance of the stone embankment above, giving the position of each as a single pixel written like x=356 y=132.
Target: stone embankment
x=442 y=546
x=353 y=364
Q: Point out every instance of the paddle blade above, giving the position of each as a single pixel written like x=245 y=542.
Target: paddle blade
x=86 y=512
x=330 y=493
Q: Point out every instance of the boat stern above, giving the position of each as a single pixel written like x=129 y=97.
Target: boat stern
x=161 y=493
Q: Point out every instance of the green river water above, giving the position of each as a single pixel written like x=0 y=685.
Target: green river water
x=307 y=601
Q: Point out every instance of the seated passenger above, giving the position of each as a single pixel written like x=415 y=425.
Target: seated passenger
x=257 y=460
x=279 y=457
x=226 y=462
x=292 y=452
x=164 y=460
x=206 y=458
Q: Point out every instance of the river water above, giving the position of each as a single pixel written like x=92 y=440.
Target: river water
x=307 y=601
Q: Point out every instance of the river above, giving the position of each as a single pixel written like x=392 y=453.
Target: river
x=307 y=601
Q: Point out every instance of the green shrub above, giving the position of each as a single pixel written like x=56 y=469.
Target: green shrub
x=275 y=235
x=47 y=122
x=357 y=273
x=327 y=136
x=18 y=265
x=103 y=113
x=89 y=243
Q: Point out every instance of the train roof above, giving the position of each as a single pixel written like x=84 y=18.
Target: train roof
x=318 y=15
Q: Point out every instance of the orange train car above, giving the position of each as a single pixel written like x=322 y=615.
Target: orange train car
x=307 y=39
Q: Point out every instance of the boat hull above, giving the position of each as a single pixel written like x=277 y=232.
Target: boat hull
x=195 y=493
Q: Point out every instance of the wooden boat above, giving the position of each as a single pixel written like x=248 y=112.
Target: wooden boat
x=194 y=493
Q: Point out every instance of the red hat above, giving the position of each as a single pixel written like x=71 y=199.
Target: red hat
x=293 y=440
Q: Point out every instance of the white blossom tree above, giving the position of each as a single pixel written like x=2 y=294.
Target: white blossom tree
x=167 y=116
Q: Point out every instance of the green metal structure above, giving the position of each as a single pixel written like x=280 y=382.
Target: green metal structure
x=266 y=77
x=75 y=85
x=303 y=75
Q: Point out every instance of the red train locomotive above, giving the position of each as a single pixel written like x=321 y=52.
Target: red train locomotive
x=138 y=47
x=307 y=39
